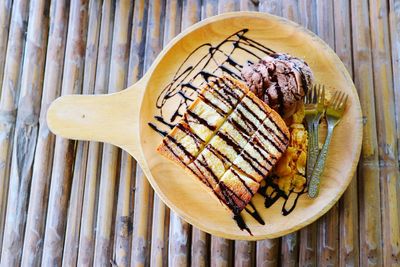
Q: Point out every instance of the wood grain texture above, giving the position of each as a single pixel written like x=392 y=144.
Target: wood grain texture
x=101 y=21
x=249 y=5
x=290 y=249
x=123 y=230
x=308 y=235
x=111 y=154
x=290 y=243
x=268 y=250
x=142 y=199
x=200 y=248
x=308 y=14
x=64 y=149
x=42 y=166
x=5 y=15
x=291 y=10
x=221 y=252
x=228 y=6
x=128 y=164
x=9 y=98
x=386 y=130
x=394 y=25
x=200 y=243
x=75 y=216
x=221 y=249
x=271 y=6
x=308 y=245
x=368 y=183
x=244 y=254
x=348 y=215
x=179 y=16
x=209 y=8
x=26 y=130
x=365 y=35
x=71 y=243
x=328 y=232
x=92 y=113
x=154 y=42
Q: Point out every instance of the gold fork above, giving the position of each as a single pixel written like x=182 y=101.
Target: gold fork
x=314 y=109
x=334 y=113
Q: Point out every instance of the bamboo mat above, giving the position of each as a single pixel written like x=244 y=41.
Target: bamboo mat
x=80 y=203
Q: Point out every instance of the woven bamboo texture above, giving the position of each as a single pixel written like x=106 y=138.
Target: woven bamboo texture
x=71 y=203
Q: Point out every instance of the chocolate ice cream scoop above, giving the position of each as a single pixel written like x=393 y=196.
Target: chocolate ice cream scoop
x=280 y=80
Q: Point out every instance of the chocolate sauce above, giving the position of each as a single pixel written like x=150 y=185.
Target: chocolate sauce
x=241 y=224
x=160 y=119
x=223 y=58
x=277 y=127
x=243 y=182
x=258 y=149
x=272 y=142
x=229 y=198
x=230 y=142
x=199 y=170
x=200 y=120
x=254 y=213
x=179 y=145
x=155 y=128
x=208 y=102
x=272 y=193
x=197 y=140
x=204 y=164
x=186 y=84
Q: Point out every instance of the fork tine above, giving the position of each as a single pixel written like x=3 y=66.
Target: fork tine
x=339 y=99
x=311 y=95
x=343 y=95
x=323 y=94
x=336 y=100
x=315 y=95
x=333 y=100
x=343 y=103
x=306 y=97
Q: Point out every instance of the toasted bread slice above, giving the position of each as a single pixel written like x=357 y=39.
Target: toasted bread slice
x=229 y=139
x=236 y=189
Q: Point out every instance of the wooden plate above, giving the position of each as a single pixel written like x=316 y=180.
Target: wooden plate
x=122 y=119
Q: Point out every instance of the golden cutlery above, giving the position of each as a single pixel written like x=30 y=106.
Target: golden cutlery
x=334 y=113
x=314 y=109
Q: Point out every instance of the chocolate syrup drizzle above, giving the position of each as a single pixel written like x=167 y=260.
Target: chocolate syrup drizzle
x=225 y=58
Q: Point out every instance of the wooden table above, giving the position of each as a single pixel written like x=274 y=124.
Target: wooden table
x=67 y=202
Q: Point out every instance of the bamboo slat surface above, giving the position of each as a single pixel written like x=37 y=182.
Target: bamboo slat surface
x=81 y=203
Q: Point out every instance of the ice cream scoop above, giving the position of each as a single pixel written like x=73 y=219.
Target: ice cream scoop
x=280 y=80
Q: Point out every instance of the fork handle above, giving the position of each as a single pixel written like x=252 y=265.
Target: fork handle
x=310 y=159
x=313 y=188
x=314 y=149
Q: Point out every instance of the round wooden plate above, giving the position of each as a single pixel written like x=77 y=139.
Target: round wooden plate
x=122 y=119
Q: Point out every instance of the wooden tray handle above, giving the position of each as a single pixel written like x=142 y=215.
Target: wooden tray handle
x=112 y=118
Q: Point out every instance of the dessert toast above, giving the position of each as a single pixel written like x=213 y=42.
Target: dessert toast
x=229 y=139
